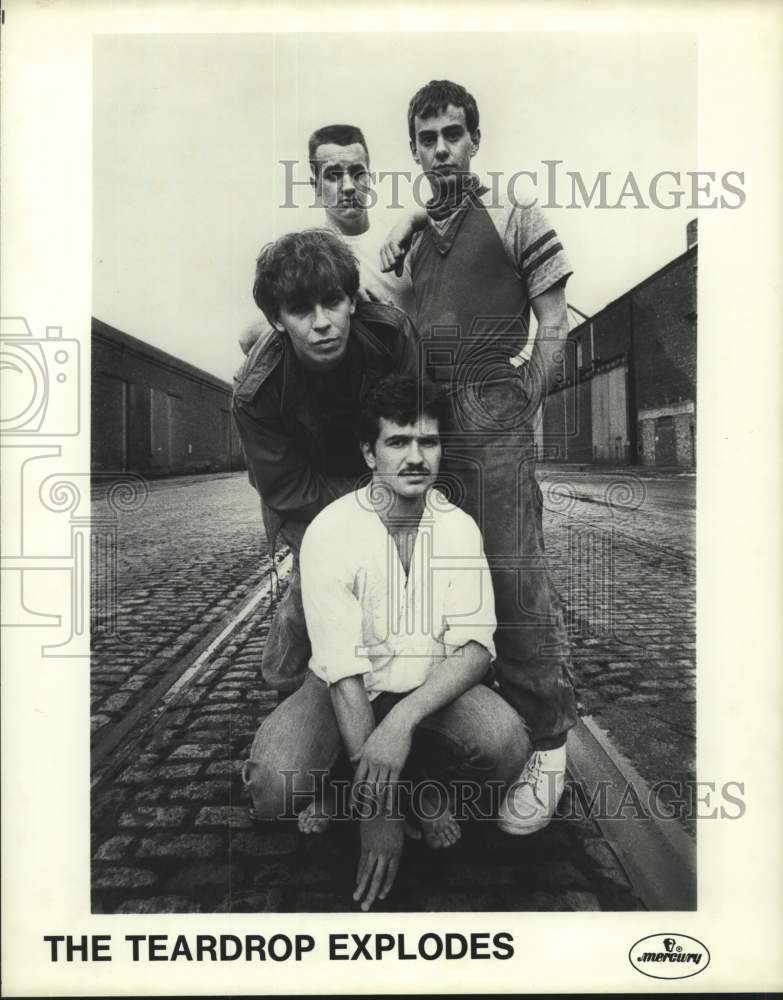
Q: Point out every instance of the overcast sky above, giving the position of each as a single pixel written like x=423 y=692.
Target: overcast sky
x=190 y=130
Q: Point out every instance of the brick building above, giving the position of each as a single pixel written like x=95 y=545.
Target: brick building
x=629 y=396
x=154 y=414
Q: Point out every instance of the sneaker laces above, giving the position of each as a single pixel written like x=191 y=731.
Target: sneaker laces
x=537 y=778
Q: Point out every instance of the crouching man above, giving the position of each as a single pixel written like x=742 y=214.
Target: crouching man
x=400 y=612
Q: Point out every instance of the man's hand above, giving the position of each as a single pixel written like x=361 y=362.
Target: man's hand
x=395 y=246
x=382 y=841
x=382 y=758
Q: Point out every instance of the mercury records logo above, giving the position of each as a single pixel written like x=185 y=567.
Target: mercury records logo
x=669 y=956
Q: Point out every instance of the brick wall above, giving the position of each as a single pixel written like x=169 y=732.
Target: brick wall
x=664 y=332
x=155 y=414
x=653 y=329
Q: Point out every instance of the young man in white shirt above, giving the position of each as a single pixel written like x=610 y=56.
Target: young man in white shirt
x=400 y=612
x=341 y=180
x=340 y=175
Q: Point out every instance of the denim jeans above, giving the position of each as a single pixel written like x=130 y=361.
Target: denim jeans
x=476 y=738
x=287 y=647
x=488 y=468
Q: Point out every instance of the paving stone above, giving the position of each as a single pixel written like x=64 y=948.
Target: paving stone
x=169 y=772
x=211 y=874
x=193 y=751
x=154 y=816
x=106 y=803
x=237 y=817
x=116 y=702
x=263 y=698
x=113 y=849
x=216 y=736
x=260 y=845
x=134 y=683
x=122 y=878
x=224 y=696
x=613 y=691
x=224 y=767
x=184 y=845
x=212 y=790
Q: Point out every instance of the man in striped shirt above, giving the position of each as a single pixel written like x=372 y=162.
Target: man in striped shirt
x=478 y=267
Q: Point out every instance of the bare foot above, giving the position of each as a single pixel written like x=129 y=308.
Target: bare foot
x=310 y=821
x=440 y=829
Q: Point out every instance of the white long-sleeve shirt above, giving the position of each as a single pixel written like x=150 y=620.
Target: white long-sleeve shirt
x=364 y=616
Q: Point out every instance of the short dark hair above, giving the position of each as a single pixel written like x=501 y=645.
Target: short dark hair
x=435 y=97
x=302 y=269
x=340 y=135
x=402 y=399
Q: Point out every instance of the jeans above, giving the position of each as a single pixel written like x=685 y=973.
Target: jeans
x=488 y=468
x=478 y=737
x=287 y=647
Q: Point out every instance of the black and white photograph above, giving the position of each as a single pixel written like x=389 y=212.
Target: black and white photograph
x=402 y=507
x=331 y=321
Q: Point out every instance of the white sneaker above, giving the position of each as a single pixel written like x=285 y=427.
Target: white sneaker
x=531 y=801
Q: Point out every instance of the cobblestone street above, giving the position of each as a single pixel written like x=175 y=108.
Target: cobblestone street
x=175 y=708
x=622 y=551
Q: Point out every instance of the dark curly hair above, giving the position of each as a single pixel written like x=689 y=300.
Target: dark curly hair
x=435 y=97
x=402 y=399
x=302 y=269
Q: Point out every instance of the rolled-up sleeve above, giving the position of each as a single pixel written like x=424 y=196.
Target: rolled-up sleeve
x=332 y=611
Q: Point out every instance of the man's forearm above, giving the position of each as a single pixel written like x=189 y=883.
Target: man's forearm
x=451 y=677
x=353 y=711
x=551 y=312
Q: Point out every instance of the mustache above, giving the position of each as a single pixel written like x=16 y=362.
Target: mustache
x=417 y=469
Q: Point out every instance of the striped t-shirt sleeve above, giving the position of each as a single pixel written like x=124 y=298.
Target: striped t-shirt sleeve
x=533 y=245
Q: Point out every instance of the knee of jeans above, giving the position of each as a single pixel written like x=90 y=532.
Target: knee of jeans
x=277 y=794
x=508 y=745
x=266 y=789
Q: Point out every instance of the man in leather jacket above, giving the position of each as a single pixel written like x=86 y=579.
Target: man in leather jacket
x=297 y=400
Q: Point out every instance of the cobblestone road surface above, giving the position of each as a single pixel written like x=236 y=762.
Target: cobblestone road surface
x=170 y=826
x=622 y=550
x=184 y=561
